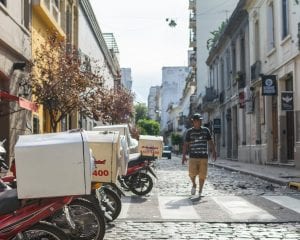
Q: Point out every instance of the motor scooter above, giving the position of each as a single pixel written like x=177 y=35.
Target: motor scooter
x=78 y=218
x=24 y=219
x=137 y=178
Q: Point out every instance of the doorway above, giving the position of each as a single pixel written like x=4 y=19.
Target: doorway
x=290 y=133
x=275 y=128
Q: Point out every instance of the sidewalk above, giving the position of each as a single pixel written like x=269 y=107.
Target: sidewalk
x=282 y=175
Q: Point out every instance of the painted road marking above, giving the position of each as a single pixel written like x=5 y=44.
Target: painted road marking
x=126 y=201
x=240 y=209
x=176 y=208
x=285 y=201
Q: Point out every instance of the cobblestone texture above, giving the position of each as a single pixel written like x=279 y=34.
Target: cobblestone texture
x=173 y=181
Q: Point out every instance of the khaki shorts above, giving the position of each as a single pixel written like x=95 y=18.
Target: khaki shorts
x=198 y=166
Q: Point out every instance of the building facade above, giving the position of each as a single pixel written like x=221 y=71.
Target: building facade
x=15 y=53
x=252 y=100
x=94 y=49
x=126 y=78
x=154 y=103
x=173 y=83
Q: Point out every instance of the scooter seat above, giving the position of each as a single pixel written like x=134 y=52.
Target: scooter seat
x=9 y=201
x=134 y=159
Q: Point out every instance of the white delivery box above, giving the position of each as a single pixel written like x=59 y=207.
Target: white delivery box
x=54 y=164
x=151 y=146
x=124 y=131
x=105 y=146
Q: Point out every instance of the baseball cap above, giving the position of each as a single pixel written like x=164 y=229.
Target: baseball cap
x=197 y=116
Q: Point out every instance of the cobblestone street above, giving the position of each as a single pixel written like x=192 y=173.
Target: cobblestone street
x=213 y=222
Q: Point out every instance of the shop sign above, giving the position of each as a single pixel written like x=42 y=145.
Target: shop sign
x=287 y=101
x=269 y=85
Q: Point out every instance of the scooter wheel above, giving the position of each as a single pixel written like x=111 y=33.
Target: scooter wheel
x=44 y=230
x=141 y=184
x=115 y=201
x=89 y=220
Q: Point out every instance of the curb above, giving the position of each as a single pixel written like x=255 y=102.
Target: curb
x=268 y=178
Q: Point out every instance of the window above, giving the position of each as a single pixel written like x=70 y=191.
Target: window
x=36 y=125
x=233 y=59
x=26 y=13
x=243 y=55
x=270 y=27
x=285 y=18
x=228 y=69
x=257 y=41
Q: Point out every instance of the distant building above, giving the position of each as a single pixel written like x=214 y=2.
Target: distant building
x=153 y=103
x=126 y=79
x=173 y=83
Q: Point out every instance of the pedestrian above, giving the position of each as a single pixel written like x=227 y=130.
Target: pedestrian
x=197 y=141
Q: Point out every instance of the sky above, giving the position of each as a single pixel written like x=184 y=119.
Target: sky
x=145 y=40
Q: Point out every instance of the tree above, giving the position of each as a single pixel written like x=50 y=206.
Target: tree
x=62 y=82
x=116 y=106
x=140 y=111
x=148 y=127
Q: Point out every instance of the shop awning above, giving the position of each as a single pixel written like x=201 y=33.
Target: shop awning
x=24 y=103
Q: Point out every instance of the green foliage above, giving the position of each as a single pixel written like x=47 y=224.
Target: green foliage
x=148 y=127
x=140 y=111
x=176 y=139
x=216 y=35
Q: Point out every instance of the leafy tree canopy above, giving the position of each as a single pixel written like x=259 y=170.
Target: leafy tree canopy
x=140 y=111
x=148 y=127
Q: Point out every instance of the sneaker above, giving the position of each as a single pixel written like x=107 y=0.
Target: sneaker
x=193 y=190
x=200 y=192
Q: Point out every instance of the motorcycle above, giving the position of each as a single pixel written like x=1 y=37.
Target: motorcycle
x=78 y=218
x=24 y=219
x=137 y=178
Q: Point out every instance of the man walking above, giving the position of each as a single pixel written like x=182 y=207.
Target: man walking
x=197 y=140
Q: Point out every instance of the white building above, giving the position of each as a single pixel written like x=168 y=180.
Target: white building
x=173 y=83
x=93 y=45
x=274 y=28
x=153 y=103
x=126 y=79
x=205 y=17
x=94 y=48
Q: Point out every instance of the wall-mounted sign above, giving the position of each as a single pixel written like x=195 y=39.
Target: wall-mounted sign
x=287 y=101
x=217 y=125
x=269 y=85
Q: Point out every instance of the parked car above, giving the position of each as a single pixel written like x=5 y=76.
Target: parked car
x=167 y=152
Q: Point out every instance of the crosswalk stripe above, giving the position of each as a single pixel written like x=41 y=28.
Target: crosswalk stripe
x=125 y=206
x=286 y=201
x=240 y=209
x=176 y=208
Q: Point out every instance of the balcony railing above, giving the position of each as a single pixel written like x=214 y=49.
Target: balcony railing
x=241 y=79
x=210 y=95
x=192 y=23
x=255 y=71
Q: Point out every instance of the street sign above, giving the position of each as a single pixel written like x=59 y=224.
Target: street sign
x=217 y=125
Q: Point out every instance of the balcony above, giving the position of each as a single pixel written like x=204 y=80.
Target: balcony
x=192 y=23
x=255 y=71
x=192 y=4
x=209 y=101
x=221 y=97
x=49 y=11
x=241 y=79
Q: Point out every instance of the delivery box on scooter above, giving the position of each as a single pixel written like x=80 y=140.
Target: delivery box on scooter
x=151 y=146
x=105 y=146
x=53 y=164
